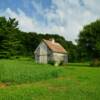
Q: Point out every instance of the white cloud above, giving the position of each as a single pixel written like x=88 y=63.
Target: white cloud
x=94 y=5
x=25 y=23
x=65 y=17
x=75 y=16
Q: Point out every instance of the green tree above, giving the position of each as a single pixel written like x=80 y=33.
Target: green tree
x=89 y=41
x=9 y=44
x=14 y=42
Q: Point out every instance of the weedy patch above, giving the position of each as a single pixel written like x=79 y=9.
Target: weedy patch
x=3 y=85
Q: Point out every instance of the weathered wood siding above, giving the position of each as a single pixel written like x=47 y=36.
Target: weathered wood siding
x=43 y=54
x=58 y=57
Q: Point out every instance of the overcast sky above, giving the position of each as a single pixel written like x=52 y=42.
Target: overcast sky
x=63 y=17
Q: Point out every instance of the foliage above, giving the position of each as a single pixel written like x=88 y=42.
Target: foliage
x=95 y=63
x=10 y=44
x=14 y=42
x=52 y=62
x=89 y=41
x=61 y=63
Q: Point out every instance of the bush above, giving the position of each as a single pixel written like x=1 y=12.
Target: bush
x=61 y=63
x=51 y=62
x=5 y=55
x=56 y=63
x=95 y=63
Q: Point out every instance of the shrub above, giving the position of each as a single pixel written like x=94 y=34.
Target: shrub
x=51 y=62
x=5 y=55
x=61 y=63
x=56 y=63
x=95 y=63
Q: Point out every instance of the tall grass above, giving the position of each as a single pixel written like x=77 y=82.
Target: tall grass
x=25 y=71
x=46 y=82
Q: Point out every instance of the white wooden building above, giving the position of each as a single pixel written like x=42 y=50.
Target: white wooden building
x=49 y=50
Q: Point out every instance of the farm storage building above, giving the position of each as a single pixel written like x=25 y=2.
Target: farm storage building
x=49 y=50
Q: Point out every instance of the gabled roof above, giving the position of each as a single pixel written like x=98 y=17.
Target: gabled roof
x=54 y=46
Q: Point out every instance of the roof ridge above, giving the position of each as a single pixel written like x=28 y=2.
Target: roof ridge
x=56 y=47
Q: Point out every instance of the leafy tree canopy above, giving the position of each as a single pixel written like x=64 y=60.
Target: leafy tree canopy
x=89 y=41
x=14 y=42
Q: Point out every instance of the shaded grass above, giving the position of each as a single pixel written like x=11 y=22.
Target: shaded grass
x=79 y=64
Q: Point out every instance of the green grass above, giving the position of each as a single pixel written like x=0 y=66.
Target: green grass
x=26 y=71
x=26 y=80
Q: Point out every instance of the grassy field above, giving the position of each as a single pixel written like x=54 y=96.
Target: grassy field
x=22 y=79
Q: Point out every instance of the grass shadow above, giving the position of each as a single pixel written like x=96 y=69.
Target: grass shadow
x=78 y=64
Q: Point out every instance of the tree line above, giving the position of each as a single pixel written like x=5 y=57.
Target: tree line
x=15 y=43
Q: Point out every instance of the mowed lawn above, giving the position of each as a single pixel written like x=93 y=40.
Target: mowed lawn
x=23 y=79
